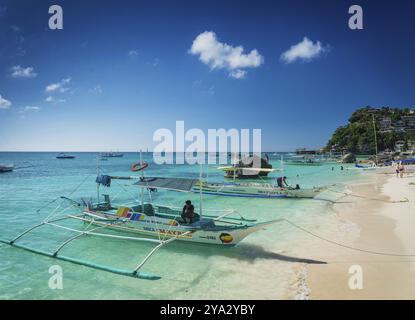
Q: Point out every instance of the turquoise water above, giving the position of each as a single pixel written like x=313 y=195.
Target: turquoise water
x=261 y=264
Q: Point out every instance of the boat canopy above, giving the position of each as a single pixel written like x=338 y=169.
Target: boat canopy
x=175 y=184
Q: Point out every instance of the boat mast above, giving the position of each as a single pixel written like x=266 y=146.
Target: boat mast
x=376 y=140
x=200 y=190
x=142 y=176
x=234 y=171
x=98 y=173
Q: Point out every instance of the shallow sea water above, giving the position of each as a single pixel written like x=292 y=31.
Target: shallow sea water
x=261 y=267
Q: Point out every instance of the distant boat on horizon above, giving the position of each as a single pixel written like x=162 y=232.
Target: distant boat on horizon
x=111 y=155
x=63 y=155
x=6 y=168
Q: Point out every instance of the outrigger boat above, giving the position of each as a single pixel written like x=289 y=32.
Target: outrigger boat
x=303 y=161
x=255 y=190
x=386 y=168
x=155 y=220
x=146 y=222
x=250 y=173
x=244 y=168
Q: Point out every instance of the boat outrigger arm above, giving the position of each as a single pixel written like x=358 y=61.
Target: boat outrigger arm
x=135 y=273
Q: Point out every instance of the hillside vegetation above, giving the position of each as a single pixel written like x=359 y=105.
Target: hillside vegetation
x=358 y=135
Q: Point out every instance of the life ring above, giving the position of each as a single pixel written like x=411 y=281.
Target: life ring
x=139 y=166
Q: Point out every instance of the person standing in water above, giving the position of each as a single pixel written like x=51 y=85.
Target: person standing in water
x=282 y=182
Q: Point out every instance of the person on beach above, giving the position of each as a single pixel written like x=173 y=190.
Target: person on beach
x=401 y=170
x=188 y=212
x=282 y=182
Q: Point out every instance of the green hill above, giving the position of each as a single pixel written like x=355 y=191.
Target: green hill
x=392 y=125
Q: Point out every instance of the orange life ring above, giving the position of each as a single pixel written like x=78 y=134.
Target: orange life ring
x=135 y=167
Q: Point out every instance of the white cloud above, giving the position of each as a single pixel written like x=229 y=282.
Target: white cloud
x=20 y=72
x=59 y=86
x=31 y=108
x=51 y=99
x=218 y=55
x=15 y=28
x=4 y=104
x=304 y=50
x=133 y=53
x=96 y=90
x=238 y=74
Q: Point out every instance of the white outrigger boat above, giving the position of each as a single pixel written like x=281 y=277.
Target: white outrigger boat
x=388 y=168
x=146 y=222
x=154 y=220
x=255 y=190
x=303 y=161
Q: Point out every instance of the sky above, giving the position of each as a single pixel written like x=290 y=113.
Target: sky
x=120 y=70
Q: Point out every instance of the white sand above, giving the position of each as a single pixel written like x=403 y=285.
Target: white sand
x=385 y=227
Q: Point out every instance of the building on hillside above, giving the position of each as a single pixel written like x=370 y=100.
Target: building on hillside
x=385 y=125
x=409 y=121
x=399 y=126
x=399 y=145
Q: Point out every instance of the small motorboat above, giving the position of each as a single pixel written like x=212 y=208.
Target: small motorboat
x=111 y=155
x=64 y=156
x=6 y=168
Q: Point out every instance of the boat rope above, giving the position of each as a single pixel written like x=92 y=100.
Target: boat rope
x=392 y=254
x=60 y=197
x=368 y=198
x=133 y=197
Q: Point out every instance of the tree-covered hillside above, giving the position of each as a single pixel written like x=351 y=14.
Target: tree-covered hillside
x=358 y=135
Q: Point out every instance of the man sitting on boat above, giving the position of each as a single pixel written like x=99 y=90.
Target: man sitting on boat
x=188 y=212
x=282 y=182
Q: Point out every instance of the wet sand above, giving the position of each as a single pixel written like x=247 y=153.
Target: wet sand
x=386 y=224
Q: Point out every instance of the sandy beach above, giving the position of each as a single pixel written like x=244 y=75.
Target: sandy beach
x=384 y=212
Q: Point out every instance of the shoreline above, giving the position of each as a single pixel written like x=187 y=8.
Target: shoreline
x=385 y=227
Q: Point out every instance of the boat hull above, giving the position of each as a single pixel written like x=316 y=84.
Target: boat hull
x=169 y=228
x=256 y=191
x=383 y=169
x=4 y=169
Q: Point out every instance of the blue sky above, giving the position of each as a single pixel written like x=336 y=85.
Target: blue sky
x=119 y=70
